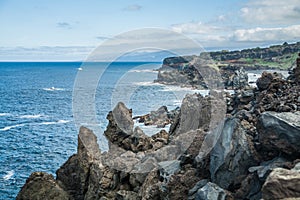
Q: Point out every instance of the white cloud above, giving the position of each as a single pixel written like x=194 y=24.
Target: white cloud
x=271 y=11
x=44 y=53
x=267 y=34
x=194 y=28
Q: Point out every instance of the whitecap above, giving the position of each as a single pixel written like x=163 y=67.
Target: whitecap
x=53 y=89
x=79 y=69
x=10 y=127
x=147 y=83
x=30 y=116
x=143 y=70
x=8 y=175
x=4 y=114
x=63 y=121
x=56 y=122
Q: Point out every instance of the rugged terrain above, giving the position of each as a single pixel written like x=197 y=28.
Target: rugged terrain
x=240 y=146
x=187 y=71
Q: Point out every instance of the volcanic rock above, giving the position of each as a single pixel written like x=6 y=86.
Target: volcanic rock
x=232 y=155
x=280 y=132
x=282 y=183
x=41 y=185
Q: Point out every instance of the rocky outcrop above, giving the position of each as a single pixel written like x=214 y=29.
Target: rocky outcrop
x=282 y=184
x=183 y=74
x=71 y=179
x=74 y=174
x=41 y=185
x=194 y=73
x=160 y=118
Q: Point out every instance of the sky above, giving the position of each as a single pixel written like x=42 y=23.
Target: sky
x=71 y=29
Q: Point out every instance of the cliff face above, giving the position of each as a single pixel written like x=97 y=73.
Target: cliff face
x=185 y=70
x=200 y=72
x=252 y=153
x=268 y=53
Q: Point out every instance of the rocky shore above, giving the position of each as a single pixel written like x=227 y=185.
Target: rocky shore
x=221 y=146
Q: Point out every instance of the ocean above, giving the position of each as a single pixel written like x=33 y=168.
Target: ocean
x=37 y=127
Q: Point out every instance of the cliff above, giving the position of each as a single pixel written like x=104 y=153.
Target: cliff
x=277 y=56
x=186 y=70
x=240 y=146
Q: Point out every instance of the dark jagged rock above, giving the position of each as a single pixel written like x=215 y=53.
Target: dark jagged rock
x=266 y=79
x=74 y=174
x=232 y=155
x=282 y=184
x=195 y=113
x=41 y=185
x=183 y=74
x=161 y=117
x=280 y=132
x=120 y=124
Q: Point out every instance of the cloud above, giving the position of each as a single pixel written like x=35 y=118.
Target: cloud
x=194 y=28
x=65 y=25
x=267 y=34
x=134 y=7
x=45 y=53
x=271 y=12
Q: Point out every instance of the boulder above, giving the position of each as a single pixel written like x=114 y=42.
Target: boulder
x=280 y=132
x=41 y=185
x=232 y=155
x=212 y=191
x=266 y=79
x=282 y=183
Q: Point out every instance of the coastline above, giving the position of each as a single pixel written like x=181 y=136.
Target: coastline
x=241 y=163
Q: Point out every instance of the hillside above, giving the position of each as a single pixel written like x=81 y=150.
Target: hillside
x=278 y=56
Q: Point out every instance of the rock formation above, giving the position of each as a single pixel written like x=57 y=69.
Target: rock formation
x=161 y=117
x=239 y=146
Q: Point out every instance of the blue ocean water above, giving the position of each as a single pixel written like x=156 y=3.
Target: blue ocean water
x=37 y=127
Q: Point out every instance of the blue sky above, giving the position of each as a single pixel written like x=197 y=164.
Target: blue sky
x=70 y=30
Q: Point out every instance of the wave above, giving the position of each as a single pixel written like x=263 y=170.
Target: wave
x=31 y=116
x=53 y=89
x=8 y=175
x=4 y=114
x=149 y=83
x=10 y=127
x=143 y=70
x=56 y=122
